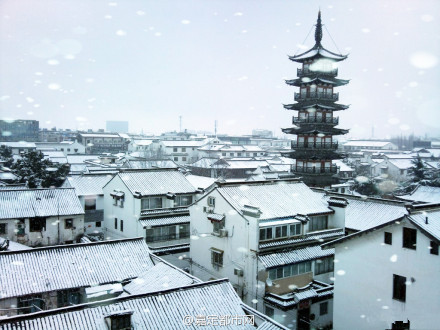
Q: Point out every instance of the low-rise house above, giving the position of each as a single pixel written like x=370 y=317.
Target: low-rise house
x=140 y=164
x=184 y=151
x=264 y=237
x=88 y=188
x=227 y=168
x=368 y=145
x=102 y=142
x=67 y=147
x=394 y=168
x=219 y=150
x=41 y=217
x=384 y=274
x=21 y=147
x=422 y=194
x=59 y=276
x=152 y=204
x=211 y=304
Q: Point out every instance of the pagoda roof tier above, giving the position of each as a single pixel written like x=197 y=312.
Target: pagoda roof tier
x=312 y=154
x=314 y=130
x=317 y=80
x=325 y=106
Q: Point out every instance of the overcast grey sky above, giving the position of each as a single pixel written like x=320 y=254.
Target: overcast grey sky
x=78 y=63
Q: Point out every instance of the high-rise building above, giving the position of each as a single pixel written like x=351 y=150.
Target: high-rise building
x=116 y=126
x=315 y=146
x=19 y=130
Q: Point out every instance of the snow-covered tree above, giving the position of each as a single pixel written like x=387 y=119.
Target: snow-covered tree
x=6 y=156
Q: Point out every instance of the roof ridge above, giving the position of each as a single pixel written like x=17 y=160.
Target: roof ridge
x=72 y=246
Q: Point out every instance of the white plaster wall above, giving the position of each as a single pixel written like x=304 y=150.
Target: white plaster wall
x=364 y=282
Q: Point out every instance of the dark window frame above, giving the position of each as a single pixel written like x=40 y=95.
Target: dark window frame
x=433 y=248
x=388 y=238
x=323 y=308
x=68 y=223
x=409 y=238
x=116 y=223
x=37 y=224
x=399 y=288
x=3 y=228
x=121 y=225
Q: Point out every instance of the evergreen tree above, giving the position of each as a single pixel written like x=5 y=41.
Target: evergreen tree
x=37 y=172
x=367 y=188
x=6 y=156
x=418 y=171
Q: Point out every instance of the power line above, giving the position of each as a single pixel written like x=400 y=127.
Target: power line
x=304 y=39
x=332 y=40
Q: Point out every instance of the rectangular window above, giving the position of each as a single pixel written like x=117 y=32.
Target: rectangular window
x=211 y=201
x=98 y=224
x=184 y=230
x=223 y=153
x=183 y=159
x=30 y=304
x=3 y=229
x=290 y=270
x=151 y=203
x=323 y=308
x=269 y=311
x=184 y=200
x=399 y=288
x=68 y=223
x=388 y=238
x=280 y=231
x=409 y=238
x=122 y=225
x=217 y=258
x=37 y=224
x=295 y=229
x=90 y=204
x=116 y=223
x=318 y=223
x=217 y=225
x=68 y=297
x=434 y=248
x=325 y=265
x=174 y=149
x=176 y=159
x=183 y=149
x=265 y=234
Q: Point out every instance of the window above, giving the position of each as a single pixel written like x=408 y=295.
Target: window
x=239 y=154
x=68 y=149
x=280 y=231
x=216 y=258
x=223 y=153
x=318 y=223
x=184 y=230
x=68 y=297
x=68 y=223
x=68 y=242
x=265 y=234
x=388 y=238
x=269 y=311
x=255 y=154
x=174 y=149
x=399 y=288
x=217 y=225
x=231 y=154
x=122 y=225
x=62 y=149
x=120 y=321
x=116 y=223
x=211 y=201
x=183 y=159
x=30 y=304
x=76 y=150
x=37 y=224
x=90 y=203
x=409 y=238
x=295 y=229
x=183 y=200
x=3 y=229
x=162 y=233
x=183 y=149
x=98 y=224
x=290 y=270
x=151 y=203
x=325 y=265
x=176 y=159
x=434 y=248
x=323 y=308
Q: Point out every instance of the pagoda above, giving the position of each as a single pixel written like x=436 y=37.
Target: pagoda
x=315 y=125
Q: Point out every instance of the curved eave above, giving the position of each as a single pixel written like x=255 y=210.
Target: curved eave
x=314 y=130
x=319 y=52
x=306 y=105
x=332 y=81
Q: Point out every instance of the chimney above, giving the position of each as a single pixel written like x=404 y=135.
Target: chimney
x=426 y=220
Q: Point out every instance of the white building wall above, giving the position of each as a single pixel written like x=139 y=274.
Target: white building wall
x=364 y=282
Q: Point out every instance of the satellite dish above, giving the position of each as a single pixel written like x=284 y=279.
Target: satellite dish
x=269 y=282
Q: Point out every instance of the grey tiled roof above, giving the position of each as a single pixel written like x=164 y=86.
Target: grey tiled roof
x=164 y=221
x=294 y=256
x=39 y=203
x=72 y=266
x=87 y=185
x=433 y=225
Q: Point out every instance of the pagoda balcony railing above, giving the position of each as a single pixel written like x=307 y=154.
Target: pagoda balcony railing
x=301 y=72
x=315 y=170
x=315 y=145
x=316 y=120
x=317 y=95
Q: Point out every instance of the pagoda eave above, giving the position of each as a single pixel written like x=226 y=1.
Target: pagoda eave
x=305 y=105
x=330 y=81
x=315 y=129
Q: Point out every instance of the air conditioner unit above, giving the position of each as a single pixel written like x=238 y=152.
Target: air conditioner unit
x=238 y=271
x=223 y=233
x=207 y=209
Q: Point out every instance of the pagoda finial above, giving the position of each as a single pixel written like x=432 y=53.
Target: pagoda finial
x=318 y=30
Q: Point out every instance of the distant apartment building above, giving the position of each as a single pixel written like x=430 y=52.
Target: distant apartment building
x=18 y=148
x=116 y=126
x=102 y=142
x=19 y=130
x=67 y=147
x=262 y=133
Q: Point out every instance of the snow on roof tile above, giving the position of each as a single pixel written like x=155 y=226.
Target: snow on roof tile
x=295 y=256
x=275 y=199
x=72 y=266
x=156 y=182
x=30 y=203
x=433 y=225
x=159 y=310
x=366 y=144
x=424 y=194
x=142 y=164
x=164 y=221
x=88 y=185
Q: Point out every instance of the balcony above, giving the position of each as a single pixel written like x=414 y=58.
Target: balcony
x=316 y=120
x=301 y=72
x=314 y=145
x=315 y=170
x=316 y=95
x=167 y=241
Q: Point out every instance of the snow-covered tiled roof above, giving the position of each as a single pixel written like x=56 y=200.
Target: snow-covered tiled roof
x=402 y=164
x=165 y=221
x=309 y=238
x=88 y=185
x=200 y=181
x=342 y=166
x=72 y=266
x=142 y=164
x=424 y=194
x=275 y=199
x=156 y=182
x=160 y=277
x=30 y=203
x=79 y=159
x=158 y=310
x=295 y=256
x=366 y=144
x=183 y=143
x=433 y=225
x=242 y=164
x=20 y=144
x=100 y=135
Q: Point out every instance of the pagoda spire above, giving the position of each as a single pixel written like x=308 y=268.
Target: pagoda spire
x=318 y=31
